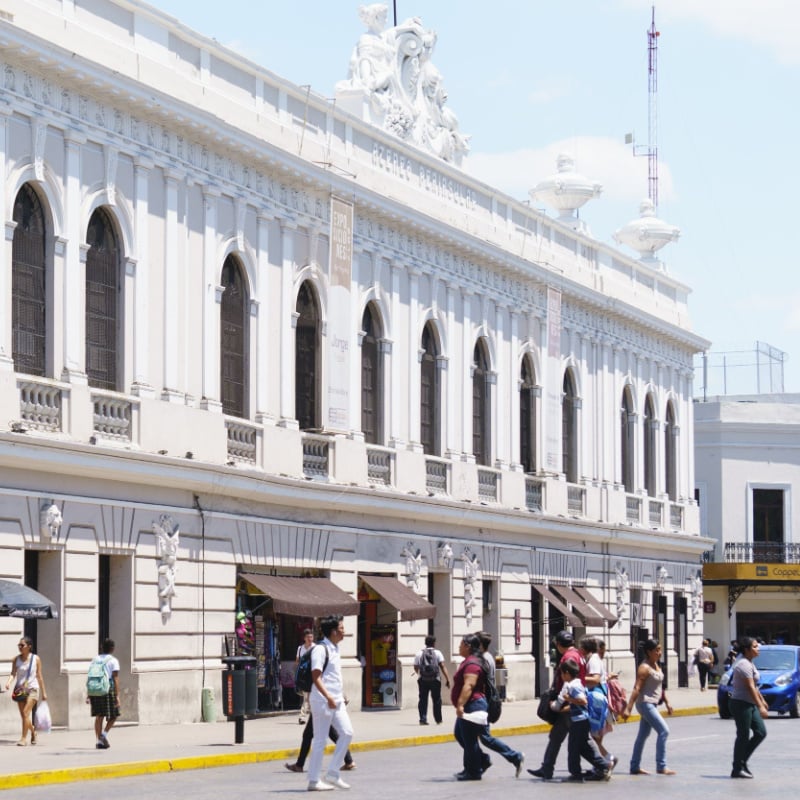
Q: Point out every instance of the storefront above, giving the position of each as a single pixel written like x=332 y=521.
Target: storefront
x=381 y=598
x=281 y=607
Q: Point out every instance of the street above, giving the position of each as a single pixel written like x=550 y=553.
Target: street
x=699 y=749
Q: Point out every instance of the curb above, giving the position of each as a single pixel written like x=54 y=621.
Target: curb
x=160 y=766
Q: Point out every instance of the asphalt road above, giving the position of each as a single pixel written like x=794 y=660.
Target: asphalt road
x=699 y=749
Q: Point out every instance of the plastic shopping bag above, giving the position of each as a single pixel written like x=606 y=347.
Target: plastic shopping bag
x=42 y=720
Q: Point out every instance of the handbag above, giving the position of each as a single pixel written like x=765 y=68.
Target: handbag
x=20 y=691
x=544 y=711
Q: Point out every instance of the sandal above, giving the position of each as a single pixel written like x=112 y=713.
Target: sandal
x=33 y=738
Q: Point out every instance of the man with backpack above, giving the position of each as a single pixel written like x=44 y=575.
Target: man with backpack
x=102 y=686
x=428 y=663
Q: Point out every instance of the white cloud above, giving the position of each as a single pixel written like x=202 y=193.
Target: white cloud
x=608 y=161
x=774 y=24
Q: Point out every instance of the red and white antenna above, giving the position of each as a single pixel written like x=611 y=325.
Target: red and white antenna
x=651 y=148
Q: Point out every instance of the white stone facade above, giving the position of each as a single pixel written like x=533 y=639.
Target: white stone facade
x=202 y=166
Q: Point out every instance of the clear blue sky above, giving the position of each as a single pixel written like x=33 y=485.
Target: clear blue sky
x=529 y=79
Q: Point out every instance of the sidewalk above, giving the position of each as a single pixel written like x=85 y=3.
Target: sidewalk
x=64 y=756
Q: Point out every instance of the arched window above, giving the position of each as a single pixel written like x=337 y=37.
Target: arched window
x=527 y=416
x=371 y=378
x=28 y=291
x=306 y=360
x=671 y=453
x=569 y=428
x=234 y=340
x=103 y=304
x=627 y=420
x=429 y=400
x=649 y=452
x=481 y=405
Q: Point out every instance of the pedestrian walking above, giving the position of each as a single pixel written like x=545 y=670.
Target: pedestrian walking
x=307 y=644
x=573 y=694
x=468 y=698
x=328 y=707
x=305 y=746
x=429 y=666
x=648 y=694
x=747 y=706
x=29 y=688
x=704 y=659
x=106 y=708
x=514 y=757
x=596 y=665
x=565 y=645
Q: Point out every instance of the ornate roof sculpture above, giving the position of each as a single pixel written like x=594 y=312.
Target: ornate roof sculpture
x=393 y=84
x=567 y=191
x=648 y=234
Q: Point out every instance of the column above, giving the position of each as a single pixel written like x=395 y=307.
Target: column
x=288 y=323
x=414 y=340
x=500 y=408
x=512 y=381
x=399 y=377
x=6 y=344
x=449 y=426
x=211 y=271
x=263 y=359
x=465 y=370
x=172 y=301
x=74 y=297
x=141 y=385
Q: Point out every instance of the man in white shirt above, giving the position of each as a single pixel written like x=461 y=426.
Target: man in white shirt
x=328 y=707
x=428 y=663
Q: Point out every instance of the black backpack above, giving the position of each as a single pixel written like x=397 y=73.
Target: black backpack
x=428 y=665
x=493 y=701
x=303 y=680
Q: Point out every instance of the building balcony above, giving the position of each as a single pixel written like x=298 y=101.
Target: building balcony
x=757 y=553
x=71 y=412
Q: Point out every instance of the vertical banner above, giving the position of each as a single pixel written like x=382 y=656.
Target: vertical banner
x=555 y=382
x=339 y=317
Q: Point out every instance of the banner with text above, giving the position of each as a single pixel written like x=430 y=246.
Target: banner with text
x=555 y=382
x=339 y=316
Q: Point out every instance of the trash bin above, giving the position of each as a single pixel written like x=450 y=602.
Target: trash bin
x=239 y=691
x=501 y=681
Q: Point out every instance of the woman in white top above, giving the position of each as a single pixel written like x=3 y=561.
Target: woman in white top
x=26 y=675
x=596 y=678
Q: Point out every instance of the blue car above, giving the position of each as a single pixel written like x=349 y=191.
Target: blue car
x=779 y=680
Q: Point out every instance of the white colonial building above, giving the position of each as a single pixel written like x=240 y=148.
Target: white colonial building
x=262 y=352
x=748 y=463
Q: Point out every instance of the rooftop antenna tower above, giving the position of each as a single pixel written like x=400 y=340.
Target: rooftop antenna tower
x=651 y=148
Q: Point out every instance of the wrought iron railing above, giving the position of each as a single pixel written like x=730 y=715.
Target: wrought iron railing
x=764 y=552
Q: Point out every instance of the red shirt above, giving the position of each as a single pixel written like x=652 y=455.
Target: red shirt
x=575 y=655
x=469 y=666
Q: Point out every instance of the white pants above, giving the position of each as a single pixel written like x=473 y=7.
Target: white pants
x=324 y=717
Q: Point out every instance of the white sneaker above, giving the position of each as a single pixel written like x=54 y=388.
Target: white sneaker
x=337 y=782
x=319 y=786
